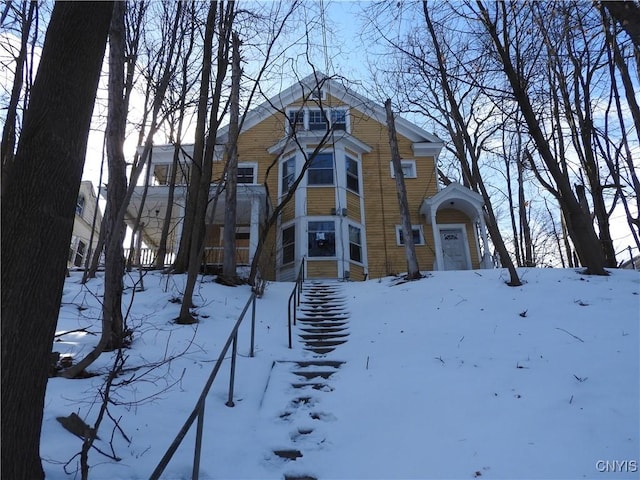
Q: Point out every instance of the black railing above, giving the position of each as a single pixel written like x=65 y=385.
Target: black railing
x=198 y=411
x=297 y=290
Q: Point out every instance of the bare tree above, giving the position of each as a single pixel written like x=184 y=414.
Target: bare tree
x=497 y=24
x=413 y=270
x=38 y=204
x=27 y=15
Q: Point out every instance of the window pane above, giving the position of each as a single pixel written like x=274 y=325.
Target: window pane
x=317 y=120
x=80 y=205
x=320 y=171
x=352 y=175
x=288 y=174
x=355 y=244
x=288 y=244
x=417 y=237
x=339 y=119
x=321 y=239
x=245 y=174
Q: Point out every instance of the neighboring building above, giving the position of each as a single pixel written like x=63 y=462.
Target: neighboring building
x=344 y=218
x=82 y=226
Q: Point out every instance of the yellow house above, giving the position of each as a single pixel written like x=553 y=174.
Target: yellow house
x=343 y=219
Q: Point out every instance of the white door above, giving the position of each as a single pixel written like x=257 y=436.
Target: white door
x=454 y=249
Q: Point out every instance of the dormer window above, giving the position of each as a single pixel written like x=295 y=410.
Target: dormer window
x=317 y=94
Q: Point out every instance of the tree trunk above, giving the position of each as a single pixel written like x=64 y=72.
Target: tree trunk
x=38 y=207
x=413 y=271
x=231 y=200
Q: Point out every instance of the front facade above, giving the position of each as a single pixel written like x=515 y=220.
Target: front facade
x=343 y=218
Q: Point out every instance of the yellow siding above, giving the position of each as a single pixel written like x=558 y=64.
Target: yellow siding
x=353 y=206
x=356 y=272
x=320 y=200
x=289 y=210
x=322 y=269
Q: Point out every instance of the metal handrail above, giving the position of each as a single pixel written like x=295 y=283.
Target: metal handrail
x=198 y=411
x=297 y=290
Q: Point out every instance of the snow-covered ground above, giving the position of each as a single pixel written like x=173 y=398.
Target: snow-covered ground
x=453 y=376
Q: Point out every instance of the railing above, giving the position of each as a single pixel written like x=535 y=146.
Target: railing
x=215 y=255
x=146 y=257
x=198 y=411
x=297 y=290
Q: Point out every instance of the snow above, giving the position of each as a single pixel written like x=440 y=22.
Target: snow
x=456 y=375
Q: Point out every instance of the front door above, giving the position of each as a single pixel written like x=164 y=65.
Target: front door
x=454 y=249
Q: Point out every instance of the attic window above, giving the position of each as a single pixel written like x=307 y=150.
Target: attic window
x=317 y=94
x=80 y=205
x=408 y=169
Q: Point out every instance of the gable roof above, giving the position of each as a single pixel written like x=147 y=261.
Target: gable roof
x=336 y=88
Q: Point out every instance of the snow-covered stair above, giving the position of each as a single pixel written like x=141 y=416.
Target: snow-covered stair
x=322 y=327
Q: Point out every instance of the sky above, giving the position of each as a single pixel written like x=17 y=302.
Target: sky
x=453 y=376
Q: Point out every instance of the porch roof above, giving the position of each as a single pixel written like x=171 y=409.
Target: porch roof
x=249 y=196
x=454 y=196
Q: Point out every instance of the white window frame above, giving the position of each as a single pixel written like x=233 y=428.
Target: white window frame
x=360 y=245
x=413 y=228
x=282 y=245
x=350 y=175
x=405 y=163
x=254 y=166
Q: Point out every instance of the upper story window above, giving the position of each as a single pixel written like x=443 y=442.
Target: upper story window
x=80 y=205
x=317 y=119
x=408 y=169
x=355 y=244
x=352 y=175
x=320 y=170
x=247 y=173
x=339 y=119
x=317 y=94
x=296 y=119
x=288 y=174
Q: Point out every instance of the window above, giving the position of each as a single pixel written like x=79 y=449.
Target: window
x=408 y=169
x=352 y=175
x=246 y=173
x=317 y=120
x=288 y=174
x=288 y=244
x=339 y=119
x=355 y=244
x=296 y=119
x=322 y=239
x=80 y=251
x=80 y=205
x=320 y=170
x=317 y=94
x=418 y=238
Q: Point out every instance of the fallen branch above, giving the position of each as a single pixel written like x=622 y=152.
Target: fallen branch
x=569 y=333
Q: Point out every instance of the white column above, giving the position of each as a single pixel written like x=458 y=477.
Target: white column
x=254 y=229
x=486 y=258
x=436 y=238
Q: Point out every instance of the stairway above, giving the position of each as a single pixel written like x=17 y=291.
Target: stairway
x=322 y=328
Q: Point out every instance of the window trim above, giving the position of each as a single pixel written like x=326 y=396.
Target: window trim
x=405 y=162
x=413 y=228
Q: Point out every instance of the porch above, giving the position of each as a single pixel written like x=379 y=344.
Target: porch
x=151 y=207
